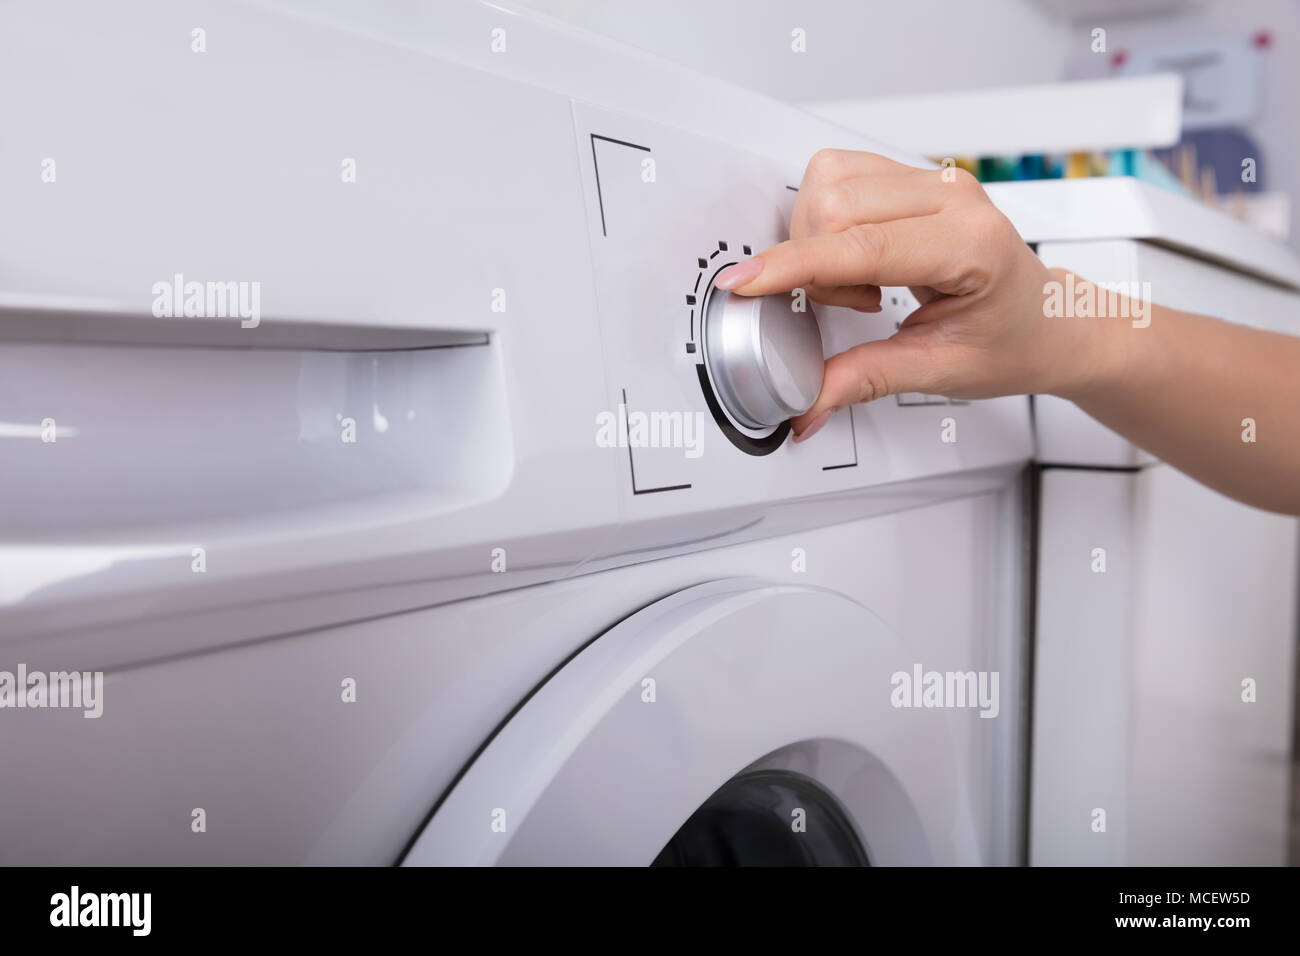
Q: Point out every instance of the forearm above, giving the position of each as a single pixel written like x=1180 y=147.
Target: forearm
x=1218 y=401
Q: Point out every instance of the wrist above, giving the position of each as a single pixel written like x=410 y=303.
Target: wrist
x=1100 y=334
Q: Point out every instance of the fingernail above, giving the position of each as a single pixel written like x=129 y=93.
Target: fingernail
x=815 y=426
x=739 y=274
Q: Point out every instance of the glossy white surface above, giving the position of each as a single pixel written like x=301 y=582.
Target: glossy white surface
x=476 y=274
x=430 y=245
x=418 y=243
x=1114 y=113
x=592 y=771
x=1120 y=207
x=259 y=737
x=1138 y=706
x=1214 y=608
x=374 y=560
x=1082 y=672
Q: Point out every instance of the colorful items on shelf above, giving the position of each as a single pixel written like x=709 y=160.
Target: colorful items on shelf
x=1138 y=163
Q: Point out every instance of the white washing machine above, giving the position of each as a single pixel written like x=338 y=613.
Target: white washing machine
x=368 y=574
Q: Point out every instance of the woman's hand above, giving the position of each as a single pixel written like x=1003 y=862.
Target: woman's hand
x=862 y=221
x=1216 y=400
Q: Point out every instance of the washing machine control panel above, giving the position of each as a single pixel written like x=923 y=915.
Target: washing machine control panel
x=702 y=382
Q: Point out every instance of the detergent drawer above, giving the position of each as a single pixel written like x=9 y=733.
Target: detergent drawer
x=335 y=357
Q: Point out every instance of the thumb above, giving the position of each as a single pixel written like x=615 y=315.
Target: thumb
x=867 y=372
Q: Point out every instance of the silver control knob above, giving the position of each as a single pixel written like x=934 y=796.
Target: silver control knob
x=765 y=358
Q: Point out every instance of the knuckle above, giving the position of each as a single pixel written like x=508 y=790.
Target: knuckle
x=872 y=383
x=990 y=226
x=973 y=274
x=870 y=240
x=828 y=206
x=966 y=182
x=986 y=235
x=825 y=163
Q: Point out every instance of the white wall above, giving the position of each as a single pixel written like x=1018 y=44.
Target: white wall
x=856 y=48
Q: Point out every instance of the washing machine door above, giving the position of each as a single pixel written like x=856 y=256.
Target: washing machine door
x=733 y=722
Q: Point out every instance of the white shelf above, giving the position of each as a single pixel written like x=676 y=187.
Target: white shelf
x=1123 y=113
x=1119 y=207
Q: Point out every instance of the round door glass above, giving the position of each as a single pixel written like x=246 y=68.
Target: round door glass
x=766 y=818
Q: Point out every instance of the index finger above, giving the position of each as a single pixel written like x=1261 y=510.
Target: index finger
x=903 y=252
